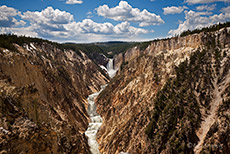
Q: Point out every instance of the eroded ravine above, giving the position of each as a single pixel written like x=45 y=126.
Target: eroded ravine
x=95 y=118
x=219 y=89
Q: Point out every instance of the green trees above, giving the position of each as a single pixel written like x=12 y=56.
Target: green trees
x=206 y=29
x=7 y=41
x=176 y=111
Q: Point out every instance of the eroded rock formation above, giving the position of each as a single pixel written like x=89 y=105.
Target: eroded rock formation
x=43 y=98
x=160 y=98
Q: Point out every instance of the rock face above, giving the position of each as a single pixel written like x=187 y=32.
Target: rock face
x=125 y=57
x=192 y=41
x=43 y=93
x=162 y=98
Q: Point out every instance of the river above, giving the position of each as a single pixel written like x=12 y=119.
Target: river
x=95 y=118
x=95 y=123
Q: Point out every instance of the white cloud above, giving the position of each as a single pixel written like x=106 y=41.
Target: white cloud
x=125 y=27
x=89 y=26
x=196 y=20
x=27 y=31
x=89 y=14
x=74 y=2
x=125 y=12
x=49 y=16
x=48 y=19
x=53 y=23
x=225 y=9
x=204 y=1
x=94 y=32
x=90 y=31
x=7 y=17
x=206 y=7
x=58 y=25
x=174 y=9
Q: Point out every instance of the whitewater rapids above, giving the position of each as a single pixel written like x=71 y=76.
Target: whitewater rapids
x=95 y=123
x=95 y=118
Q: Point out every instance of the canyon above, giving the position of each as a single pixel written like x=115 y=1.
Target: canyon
x=44 y=99
x=161 y=97
x=165 y=94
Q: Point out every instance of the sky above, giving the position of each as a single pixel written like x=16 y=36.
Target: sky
x=84 y=21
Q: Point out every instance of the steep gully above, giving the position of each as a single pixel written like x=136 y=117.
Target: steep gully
x=95 y=118
x=211 y=117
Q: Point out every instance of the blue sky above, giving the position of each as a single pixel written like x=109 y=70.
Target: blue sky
x=104 y=20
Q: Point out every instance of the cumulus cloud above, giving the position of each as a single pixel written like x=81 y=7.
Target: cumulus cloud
x=59 y=25
x=225 y=9
x=89 y=14
x=206 y=7
x=194 y=20
x=93 y=31
x=204 y=1
x=53 y=23
x=125 y=27
x=27 y=31
x=74 y=2
x=88 y=30
x=125 y=12
x=89 y=26
x=7 y=17
x=49 y=16
x=174 y=9
x=48 y=19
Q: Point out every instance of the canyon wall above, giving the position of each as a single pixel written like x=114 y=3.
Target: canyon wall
x=43 y=98
x=173 y=43
x=162 y=96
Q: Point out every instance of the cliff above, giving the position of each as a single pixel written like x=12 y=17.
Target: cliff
x=43 y=98
x=163 y=97
x=174 y=43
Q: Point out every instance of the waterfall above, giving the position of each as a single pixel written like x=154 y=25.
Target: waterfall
x=110 y=69
x=110 y=64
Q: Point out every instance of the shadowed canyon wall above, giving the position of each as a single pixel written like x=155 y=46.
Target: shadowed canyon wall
x=43 y=99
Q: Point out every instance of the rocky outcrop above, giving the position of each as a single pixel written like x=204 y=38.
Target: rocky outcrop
x=174 y=43
x=118 y=60
x=127 y=56
x=158 y=99
x=43 y=98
